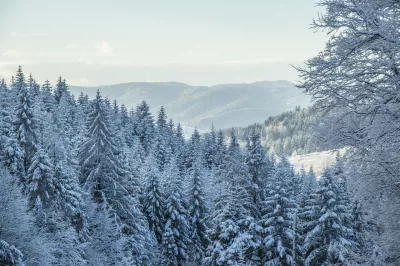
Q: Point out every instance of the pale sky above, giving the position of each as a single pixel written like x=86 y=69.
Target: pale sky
x=92 y=42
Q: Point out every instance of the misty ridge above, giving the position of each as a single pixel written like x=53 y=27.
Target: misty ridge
x=224 y=105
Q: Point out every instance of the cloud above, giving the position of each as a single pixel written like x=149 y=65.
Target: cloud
x=104 y=48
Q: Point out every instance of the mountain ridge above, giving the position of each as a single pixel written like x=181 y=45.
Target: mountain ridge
x=225 y=105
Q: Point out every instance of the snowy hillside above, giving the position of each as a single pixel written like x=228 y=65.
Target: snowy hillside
x=318 y=160
x=225 y=105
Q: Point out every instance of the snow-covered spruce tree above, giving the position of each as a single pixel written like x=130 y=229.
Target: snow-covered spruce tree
x=34 y=88
x=180 y=147
x=11 y=154
x=235 y=174
x=176 y=237
x=234 y=243
x=47 y=96
x=144 y=127
x=209 y=148
x=198 y=213
x=308 y=184
x=40 y=182
x=278 y=220
x=286 y=169
x=9 y=255
x=162 y=150
x=24 y=121
x=104 y=177
x=60 y=89
x=171 y=136
x=341 y=179
x=192 y=148
x=17 y=225
x=328 y=240
x=234 y=232
x=257 y=162
x=220 y=149
x=70 y=198
x=153 y=198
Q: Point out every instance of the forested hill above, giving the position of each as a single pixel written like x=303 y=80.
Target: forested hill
x=225 y=105
x=287 y=133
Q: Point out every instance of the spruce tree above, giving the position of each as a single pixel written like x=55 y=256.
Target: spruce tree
x=162 y=150
x=198 y=213
x=209 y=147
x=105 y=178
x=220 y=149
x=234 y=233
x=278 y=222
x=176 y=238
x=60 y=89
x=144 y=127
x=70 y=198
x=257 y=162
x=48 y=98
x=153 y=199
x=11 y=154
x=328 y=239
x=24 y=121
x=180 y=147
x=41 y=187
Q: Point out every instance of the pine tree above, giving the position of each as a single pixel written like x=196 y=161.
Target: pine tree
x=198 y=213
x=234 y=234
x=278 y=222
x=328 y=239
x=41 y=186
x=209 y=147
x=176 y=239
x=308 y=184
x=10 y=152
x=24 y=121
x=235 y=172
x=104 y=177
x=61 y=89
x=234 y=243
x=70 y=198
x=192 y=148
x=48 y=98
x=153 y=199
x=257 y=162
x=145 y=126
x=34 y=88
x=220 y=149
x=162 y=150
x=180 y=147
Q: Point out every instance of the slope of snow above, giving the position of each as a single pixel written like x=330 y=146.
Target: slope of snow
x=318 y=160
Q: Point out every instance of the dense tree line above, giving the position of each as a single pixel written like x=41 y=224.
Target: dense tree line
x=288 y=133
x=87 y=182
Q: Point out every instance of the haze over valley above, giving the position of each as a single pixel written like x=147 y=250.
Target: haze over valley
x=224 y=105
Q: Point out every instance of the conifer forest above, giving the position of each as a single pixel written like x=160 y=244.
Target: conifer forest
x=89 y=181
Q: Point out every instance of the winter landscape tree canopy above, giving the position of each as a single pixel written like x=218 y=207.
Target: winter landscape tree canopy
x=90 y=181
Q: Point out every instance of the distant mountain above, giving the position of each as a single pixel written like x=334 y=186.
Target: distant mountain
x=225 y=105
